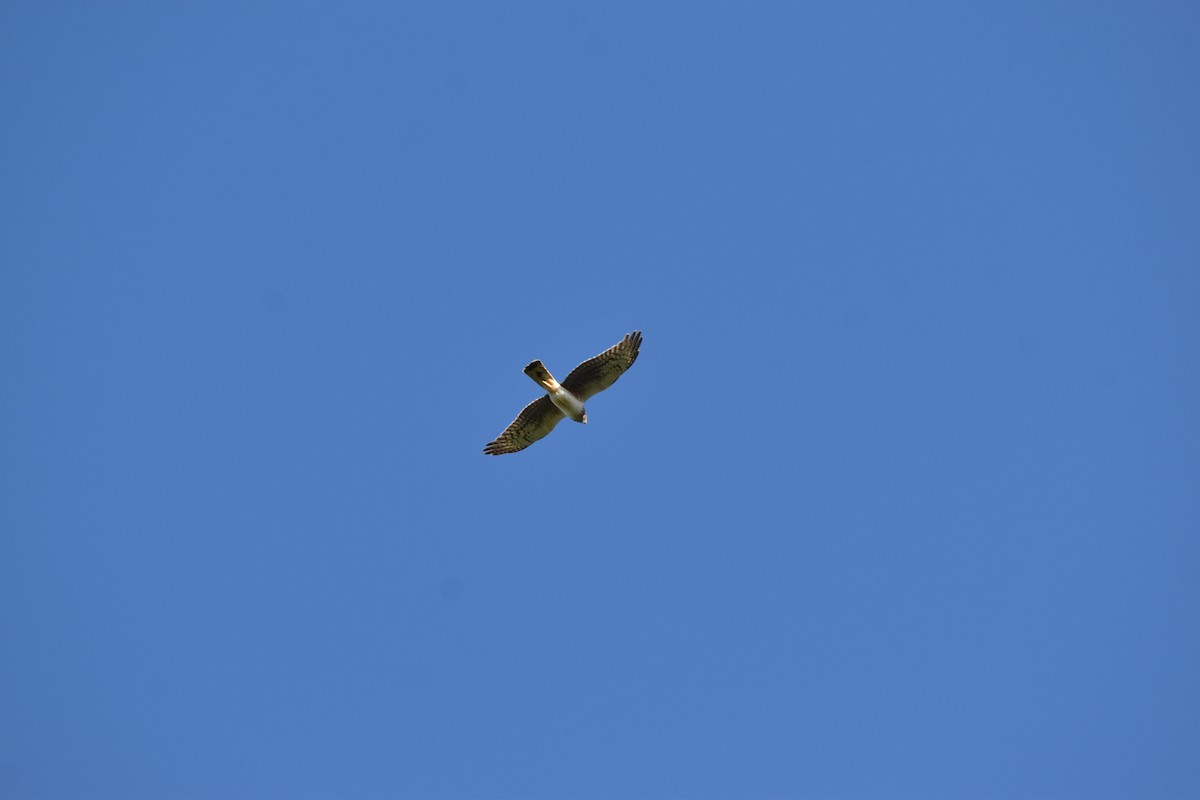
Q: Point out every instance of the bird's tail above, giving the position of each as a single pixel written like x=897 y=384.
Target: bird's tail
x=541 y=376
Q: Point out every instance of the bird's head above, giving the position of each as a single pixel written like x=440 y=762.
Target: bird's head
x=583 y=418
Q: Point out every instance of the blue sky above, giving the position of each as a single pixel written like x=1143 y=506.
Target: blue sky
x=900 y=499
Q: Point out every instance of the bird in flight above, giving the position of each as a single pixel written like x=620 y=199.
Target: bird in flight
x=565 y=399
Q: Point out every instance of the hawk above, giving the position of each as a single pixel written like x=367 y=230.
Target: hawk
x=565 y=399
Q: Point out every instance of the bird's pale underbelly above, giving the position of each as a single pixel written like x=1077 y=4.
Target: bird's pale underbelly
x=567 y=403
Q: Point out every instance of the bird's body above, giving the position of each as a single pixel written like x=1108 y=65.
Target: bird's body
x=570 y=405
x=566 y=399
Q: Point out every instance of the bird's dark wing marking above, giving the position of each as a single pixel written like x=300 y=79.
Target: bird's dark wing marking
x=597 y=374
x=535 y=421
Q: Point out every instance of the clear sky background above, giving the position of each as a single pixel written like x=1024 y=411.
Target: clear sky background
x=900 y=499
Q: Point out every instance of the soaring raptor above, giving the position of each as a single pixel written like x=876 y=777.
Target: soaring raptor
x=565 y=399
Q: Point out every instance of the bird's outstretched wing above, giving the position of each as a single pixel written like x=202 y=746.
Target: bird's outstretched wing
x=597 y=374
x=535 y=421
